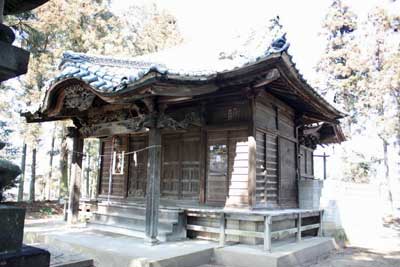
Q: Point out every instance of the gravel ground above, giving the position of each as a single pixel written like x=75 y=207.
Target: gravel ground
x=383 y=251
x=360 y=257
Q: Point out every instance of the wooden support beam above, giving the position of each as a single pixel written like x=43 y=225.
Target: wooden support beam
x=298 y=239
x=271 y=76
x=251 y=140
x=267 y=233
x=75 y=183
x=222 y=226
x=153 y=185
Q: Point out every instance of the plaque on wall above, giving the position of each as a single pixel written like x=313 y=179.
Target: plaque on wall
x=118 y=163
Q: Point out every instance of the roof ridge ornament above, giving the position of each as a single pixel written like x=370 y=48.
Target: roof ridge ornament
x=279 y=44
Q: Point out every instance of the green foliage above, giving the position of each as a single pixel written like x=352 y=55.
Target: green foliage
x=358 y=172
x=46 y=211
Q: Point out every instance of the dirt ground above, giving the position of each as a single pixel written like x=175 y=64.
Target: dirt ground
x=382 y=252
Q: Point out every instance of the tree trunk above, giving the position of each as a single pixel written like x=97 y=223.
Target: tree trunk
x=64 y=164
x=70 y=168
x=21 y=181
x=33 y=177
x=53 y=138
x=387 y=171
x=88 y=170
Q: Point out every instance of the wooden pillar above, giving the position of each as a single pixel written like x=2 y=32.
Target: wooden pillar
x=76 y=172
x=222 y=226
x=252 y=150
x=298 y=227
x=321 y=216
x=153 y=185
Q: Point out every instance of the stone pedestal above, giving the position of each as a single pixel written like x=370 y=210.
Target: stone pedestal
x=12 y=252
x=310 y=193
x=12 y=228
x=26 y=256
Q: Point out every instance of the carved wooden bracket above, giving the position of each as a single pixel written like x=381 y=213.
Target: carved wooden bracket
x=76 y=97
x=138 y=124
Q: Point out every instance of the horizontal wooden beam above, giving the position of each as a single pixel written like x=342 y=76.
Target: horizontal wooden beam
x=200 y=228
x=237 y=232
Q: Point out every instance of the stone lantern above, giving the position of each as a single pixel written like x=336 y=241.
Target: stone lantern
x=13 y=60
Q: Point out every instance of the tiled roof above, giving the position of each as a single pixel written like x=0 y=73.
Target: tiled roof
x=108 y=75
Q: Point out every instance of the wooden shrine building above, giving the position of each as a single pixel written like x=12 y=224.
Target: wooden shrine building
x=190 y=152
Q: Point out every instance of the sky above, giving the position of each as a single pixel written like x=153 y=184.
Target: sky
x=217 y=21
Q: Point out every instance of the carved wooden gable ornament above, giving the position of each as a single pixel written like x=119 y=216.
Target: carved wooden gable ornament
x=77 y=97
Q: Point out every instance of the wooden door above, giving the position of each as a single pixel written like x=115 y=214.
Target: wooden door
x=119 y=179
x=191 y=151
x=288 y=183
x=217 y=168
x=180 y=177
x=171 y=166
x=137 y=166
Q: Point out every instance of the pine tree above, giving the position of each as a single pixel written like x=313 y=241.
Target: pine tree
x=342 y=73
x=384 y=83
x=340 y=63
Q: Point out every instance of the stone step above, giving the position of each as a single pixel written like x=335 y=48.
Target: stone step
x=134 y=222
x=164 y=236
x=304 y=253
x=167 y=214
x=133 y=217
